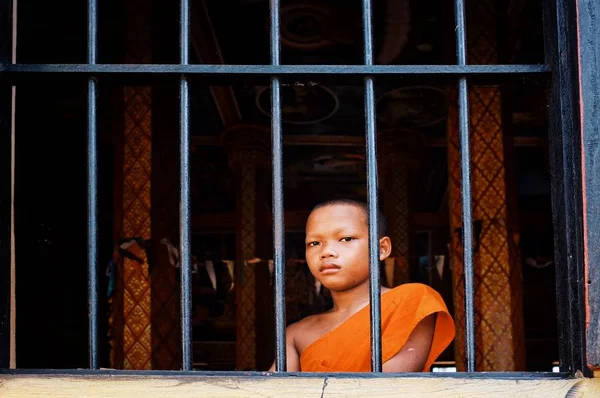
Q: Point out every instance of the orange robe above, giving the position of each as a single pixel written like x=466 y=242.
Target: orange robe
x=347 y=348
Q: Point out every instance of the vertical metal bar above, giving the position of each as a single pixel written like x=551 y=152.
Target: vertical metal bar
x=92 y=168
x=6 y=163
x=372 y=191
x=184 y=199
x=13 y=269
x=278 y=220
x=465 y=165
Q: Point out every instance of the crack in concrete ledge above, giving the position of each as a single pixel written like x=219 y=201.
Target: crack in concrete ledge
x=325 y=383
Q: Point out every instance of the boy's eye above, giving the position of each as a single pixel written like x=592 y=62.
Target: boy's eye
x=312 y=244
x=347 y=239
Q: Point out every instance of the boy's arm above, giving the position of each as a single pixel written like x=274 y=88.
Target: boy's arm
x=292 y=357
x=413 y=355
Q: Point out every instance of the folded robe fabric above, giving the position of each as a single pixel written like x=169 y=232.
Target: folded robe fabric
x=347 y=347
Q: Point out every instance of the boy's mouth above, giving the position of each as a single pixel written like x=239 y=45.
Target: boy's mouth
x=329 y=268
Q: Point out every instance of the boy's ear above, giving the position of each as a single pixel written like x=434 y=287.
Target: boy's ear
x=385 y=248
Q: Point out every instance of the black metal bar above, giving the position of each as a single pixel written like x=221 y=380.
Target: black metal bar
x=92 y=168
x=372 y=192
x=144 y=75
x=184 y=199
x=6 y=15
x=184 y=32
x=275 y=43
x=560 y=48
x=465 y=166
x=463 y=120
x=278 y=210
x=359 y=71
x=92 y=33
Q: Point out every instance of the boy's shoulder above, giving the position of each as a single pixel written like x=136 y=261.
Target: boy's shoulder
x=411 y=289
x=307 y=323
x=308 y=329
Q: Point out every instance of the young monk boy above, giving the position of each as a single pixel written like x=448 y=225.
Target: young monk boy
x=415 y=324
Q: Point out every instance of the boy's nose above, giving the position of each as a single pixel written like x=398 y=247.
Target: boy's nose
x=328 y=252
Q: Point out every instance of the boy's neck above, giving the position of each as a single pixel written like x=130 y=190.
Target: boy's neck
x=351 y=300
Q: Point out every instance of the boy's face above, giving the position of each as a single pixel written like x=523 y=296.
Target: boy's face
x=337 y=246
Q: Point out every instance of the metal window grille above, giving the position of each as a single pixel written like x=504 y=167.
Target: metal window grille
x=461 y=73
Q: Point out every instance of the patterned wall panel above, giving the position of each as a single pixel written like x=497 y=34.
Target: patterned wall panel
x=247 y=147
x=136 y=222
x=397 y=213
x=246 y=293
x=498 y=309
x=134 y=325
x=165 y=316
x=399 y=153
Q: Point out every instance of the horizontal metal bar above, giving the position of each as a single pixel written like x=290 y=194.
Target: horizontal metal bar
x=261 y=375
x=289 y=75
x=276 y=70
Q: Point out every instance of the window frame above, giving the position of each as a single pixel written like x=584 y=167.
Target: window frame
x=560 y=48
x=575 y=189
